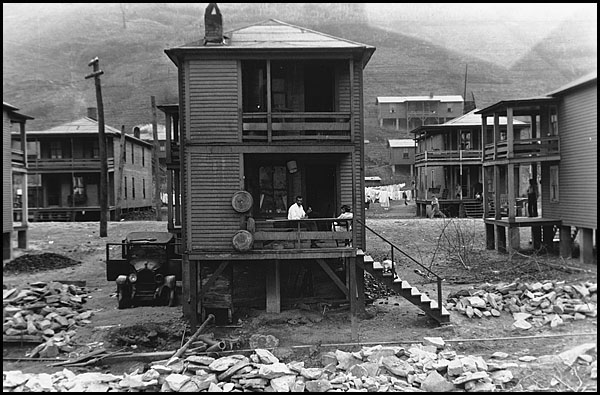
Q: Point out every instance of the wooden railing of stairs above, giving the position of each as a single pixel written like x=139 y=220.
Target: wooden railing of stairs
x=390 y=277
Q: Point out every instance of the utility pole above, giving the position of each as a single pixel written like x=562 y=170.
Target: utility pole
x=101 y=147
x=157 y=197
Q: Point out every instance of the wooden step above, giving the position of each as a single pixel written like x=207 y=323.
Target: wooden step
x=368 y=259
x=377 y=266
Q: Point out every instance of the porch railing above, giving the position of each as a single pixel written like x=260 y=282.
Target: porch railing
x=70 y=163
x=301 y=233
x=296 y=126
x=528 y=148
x=448 y=155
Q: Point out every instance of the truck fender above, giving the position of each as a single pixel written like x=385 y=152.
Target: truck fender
x=121 y=279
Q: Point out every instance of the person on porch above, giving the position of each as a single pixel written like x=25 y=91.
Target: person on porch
x=296 y=211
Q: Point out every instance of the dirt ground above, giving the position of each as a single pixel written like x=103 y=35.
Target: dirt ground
x=303 y=333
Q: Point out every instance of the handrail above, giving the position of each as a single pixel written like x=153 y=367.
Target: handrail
x=392 y=245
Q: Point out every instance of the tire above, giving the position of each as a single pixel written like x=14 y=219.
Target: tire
x=122 y=299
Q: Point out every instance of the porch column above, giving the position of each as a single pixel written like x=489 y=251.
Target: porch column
x=273 y=287
x=489 y=237
x=512 y=203
x=500 y=238
x=586 y=246
x=514 y=238
x=548 y=237
x=536 y=237
x=566 y=243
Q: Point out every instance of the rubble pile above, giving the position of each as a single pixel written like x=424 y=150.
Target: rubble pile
x=44 y=311
x=375 y=290
x=421 y=367
x=531 y=304
x=30 y=263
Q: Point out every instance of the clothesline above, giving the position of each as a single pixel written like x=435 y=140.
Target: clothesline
x=387 y=192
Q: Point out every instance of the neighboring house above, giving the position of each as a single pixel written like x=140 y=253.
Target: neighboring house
x=14 y=180
x=64 y=172
x=562 y=151
x=268 y=112
x=408 y=112
x=402 y=156
x=448 y=164
x=173 y=167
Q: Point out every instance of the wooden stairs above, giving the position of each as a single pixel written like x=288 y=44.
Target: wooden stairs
x=409 y=292
x=473 y=209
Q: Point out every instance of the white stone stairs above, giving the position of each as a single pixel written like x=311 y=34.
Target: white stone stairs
x=407 y=291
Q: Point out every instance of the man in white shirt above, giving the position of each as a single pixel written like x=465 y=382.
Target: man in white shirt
x=296 y=211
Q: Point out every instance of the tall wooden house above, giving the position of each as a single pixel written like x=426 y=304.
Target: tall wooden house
x=64 y=172
x=14 y=180
x=408 y=112
x=562 y=151
x=266 y=112
x=448 y=164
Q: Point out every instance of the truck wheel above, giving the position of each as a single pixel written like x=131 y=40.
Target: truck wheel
x=122 y=299
x=172 y=298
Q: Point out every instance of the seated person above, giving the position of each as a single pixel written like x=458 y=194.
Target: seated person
x=344 y=226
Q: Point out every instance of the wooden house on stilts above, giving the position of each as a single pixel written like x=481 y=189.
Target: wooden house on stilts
x=266 y=113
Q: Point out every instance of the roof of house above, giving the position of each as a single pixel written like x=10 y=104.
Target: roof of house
x=588 y=78
x=81 y=126
x=472 y=118
x=272 y=35
x=402 y=99
x=401 y=143
x=13 y=111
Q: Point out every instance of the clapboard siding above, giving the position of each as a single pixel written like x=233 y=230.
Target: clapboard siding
x=357 y=104
x=578 y=171
x=213 y=221
x=343 y=87
x=213 y=96
x=6 y=174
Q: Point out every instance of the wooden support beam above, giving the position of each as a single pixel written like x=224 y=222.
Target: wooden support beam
x=211 y=280
x=566 y=243
x=586 y=246
x=333 y=276
x=273 y=287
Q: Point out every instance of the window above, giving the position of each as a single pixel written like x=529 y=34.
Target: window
x=125 y=188
x=143 y=156
x=553 y=125
x=132 y=153
x=132 y=188
x=273 y=189
x=94 y=149
x=55 y=150
x=143 y=186
x=554 y=183
x=449 y=108
x=254 y=86
x=392 y=109
x=405 y=153
x=465 y=140
x=33 y=149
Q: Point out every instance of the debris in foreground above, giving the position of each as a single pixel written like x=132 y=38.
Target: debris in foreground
x=372 y=369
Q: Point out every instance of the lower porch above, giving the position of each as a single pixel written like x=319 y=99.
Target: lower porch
x=504 y=234
x=267 y=280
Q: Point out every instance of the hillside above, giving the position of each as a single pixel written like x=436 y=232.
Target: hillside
x=46 y=52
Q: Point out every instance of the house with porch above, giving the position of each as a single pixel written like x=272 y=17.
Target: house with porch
x=448 y=164
x=402 y=157
x=64 y=172
x=408 y=112
x=14 y=180
x=561 y=149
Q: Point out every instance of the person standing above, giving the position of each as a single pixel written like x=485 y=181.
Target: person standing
x=435 y=208
x=404 y=196
x=532 y=195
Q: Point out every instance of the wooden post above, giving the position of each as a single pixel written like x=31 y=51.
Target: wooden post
x=157 y=199
x=101 y=148
x=273 y=287
x=119 y=179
